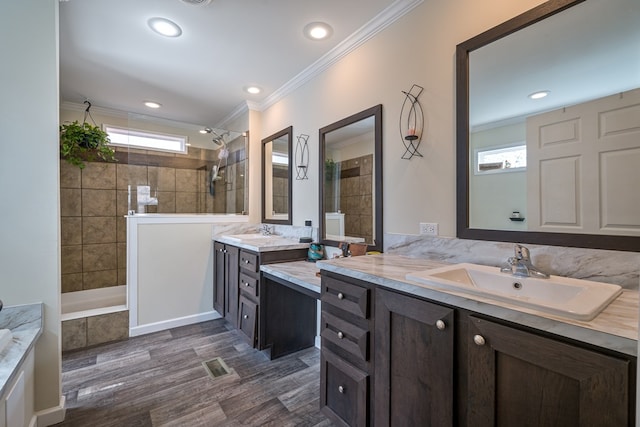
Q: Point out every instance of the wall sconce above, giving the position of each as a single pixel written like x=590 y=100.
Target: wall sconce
x=302 y=156
x=411 y=122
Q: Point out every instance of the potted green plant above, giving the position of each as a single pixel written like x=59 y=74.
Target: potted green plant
x=84 y=142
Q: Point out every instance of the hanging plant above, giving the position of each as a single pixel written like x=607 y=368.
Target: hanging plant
x=84 y=142
x=329 y=169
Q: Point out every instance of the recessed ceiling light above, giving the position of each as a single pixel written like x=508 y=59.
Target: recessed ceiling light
x=539 y=95
x=253 y=90
x=152 y=104
x=164 y=27
x=317 y=30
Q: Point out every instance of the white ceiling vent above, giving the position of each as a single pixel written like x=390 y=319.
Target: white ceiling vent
x=196 y=2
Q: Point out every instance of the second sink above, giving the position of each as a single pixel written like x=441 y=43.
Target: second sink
x=563 y=296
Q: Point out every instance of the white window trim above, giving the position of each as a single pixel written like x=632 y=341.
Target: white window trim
x=476 y=166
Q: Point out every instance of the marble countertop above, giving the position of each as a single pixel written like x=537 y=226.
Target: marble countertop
x=616 y=328
x=302 y=273
x=263 y=244
x=25 y=323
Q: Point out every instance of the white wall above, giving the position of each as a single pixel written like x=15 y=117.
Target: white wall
x=494 y=196
x=418 y=48
x=29 y=176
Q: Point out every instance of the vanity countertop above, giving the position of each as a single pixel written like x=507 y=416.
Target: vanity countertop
x=263 y=244
x=25 y=324
x=302 y=273
x=615 y=328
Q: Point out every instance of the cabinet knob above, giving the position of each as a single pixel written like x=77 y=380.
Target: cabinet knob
x=340 y=295
x=246 y=316
x=224 y=251
x=441 y=325
x=246 y=261
x=246 y=283
x=341 y=389
x=479 y=340
x=340 y=335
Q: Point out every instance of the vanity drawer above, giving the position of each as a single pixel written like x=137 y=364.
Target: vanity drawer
x=345 y=335
x=249 y=284
x=351 y=298
x=249 y=261
x=344 y=391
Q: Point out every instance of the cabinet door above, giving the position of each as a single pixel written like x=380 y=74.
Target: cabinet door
x=518 y=378
x=414 y=362
x=231 y=284
x=248 y=319
x=219 y=260
x=344 y=391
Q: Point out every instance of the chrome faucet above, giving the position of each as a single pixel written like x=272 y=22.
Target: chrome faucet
x=266 y=230
x=520 y=264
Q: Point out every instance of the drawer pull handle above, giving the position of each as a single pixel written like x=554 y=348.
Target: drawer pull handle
x=246 y=283
x=479 y=340
x=246 y=316
x=340 y=335
x=340 y=295
x=341 y=389
x=441 y=325
x=246 y=261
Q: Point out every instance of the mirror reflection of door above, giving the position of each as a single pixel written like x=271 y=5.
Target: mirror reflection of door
x=276 y=179
x=349 y=193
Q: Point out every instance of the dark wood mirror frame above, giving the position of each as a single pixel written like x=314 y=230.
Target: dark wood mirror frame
x=284 y=132
x=595 y=241
x=376 y=112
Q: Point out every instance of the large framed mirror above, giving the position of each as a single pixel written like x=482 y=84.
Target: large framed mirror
x=276 y=177
x=351 y=180
x=577 y=185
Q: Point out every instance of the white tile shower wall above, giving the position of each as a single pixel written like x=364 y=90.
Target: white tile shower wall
x=617 y=267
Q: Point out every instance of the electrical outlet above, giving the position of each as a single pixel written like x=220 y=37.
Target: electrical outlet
x=429 y=228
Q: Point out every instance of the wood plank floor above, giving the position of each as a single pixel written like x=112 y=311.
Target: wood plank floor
x=159 y=380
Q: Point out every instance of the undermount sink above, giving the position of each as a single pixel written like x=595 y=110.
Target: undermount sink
x=563 y=296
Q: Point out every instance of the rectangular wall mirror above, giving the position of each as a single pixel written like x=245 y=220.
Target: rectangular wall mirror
x=276 y=177
x=580 y=145
x=351 y=180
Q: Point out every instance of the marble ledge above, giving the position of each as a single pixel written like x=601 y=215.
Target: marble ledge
x=616 y=328
x=301 y=273
x=274 y=243
x=25 y=324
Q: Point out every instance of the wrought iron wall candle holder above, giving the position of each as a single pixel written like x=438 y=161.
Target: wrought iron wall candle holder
x=302 y=156
x=411 y=122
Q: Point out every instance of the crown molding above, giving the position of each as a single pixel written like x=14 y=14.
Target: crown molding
x=381 y=21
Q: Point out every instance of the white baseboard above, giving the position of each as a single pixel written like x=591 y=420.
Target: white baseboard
x=173 y=323
x=50 y=416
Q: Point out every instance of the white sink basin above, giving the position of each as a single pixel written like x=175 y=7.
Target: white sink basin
x=563 y=296
x=5 y=338
x=254 y=236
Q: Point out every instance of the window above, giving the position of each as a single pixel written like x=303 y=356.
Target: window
x=501 y=159
x=146 y=140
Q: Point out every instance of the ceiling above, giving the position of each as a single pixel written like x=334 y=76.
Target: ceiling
x=109 y=56
x=586 y=52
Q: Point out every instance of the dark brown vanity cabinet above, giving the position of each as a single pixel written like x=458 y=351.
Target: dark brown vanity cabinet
x=249 y=303
x=436 y=365
x=225 y=282
x=346 y=361
x=519 y=378
x=238 y=288
x=414 y=362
